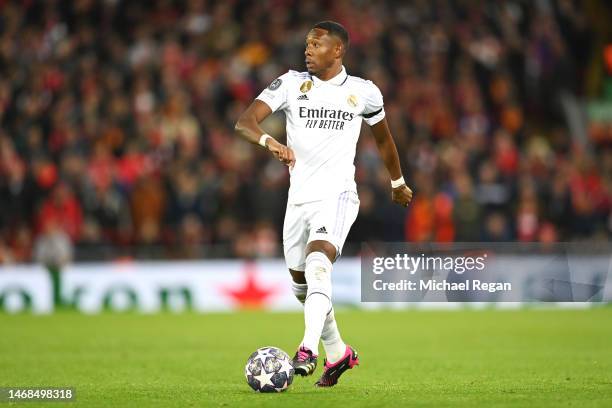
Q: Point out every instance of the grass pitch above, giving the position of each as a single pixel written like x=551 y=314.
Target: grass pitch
x=524 y=358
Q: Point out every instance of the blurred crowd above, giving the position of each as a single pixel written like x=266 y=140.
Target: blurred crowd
x=116 y=122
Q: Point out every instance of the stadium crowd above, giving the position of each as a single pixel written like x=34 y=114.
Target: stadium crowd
x=116 y=122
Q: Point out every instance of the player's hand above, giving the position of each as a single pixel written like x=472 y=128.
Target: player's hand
x=402 y=195
x=283 y=153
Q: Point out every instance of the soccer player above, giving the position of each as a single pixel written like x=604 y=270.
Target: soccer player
x=324 y=108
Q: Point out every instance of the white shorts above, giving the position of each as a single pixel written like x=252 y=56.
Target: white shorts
x=327 y=220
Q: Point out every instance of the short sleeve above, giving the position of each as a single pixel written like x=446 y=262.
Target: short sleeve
x=374 y=110
x=275 y=95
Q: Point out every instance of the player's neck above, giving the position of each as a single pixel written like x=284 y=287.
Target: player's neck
x=330 y=73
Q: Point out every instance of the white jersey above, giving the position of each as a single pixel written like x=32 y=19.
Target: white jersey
x=323 y=126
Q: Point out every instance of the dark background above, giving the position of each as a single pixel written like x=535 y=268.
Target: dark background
x=116 y=122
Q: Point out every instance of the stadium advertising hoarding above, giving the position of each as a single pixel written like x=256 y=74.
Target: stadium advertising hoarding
x=25 y=287
x=504 y=278
x=150 y=287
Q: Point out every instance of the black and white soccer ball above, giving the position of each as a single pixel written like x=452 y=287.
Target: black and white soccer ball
x=269 y=369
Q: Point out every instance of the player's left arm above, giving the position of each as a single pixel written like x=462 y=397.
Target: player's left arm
x=401 y=193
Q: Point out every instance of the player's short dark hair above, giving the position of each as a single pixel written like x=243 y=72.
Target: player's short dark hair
x=336 y=29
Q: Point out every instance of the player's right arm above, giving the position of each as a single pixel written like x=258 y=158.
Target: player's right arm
x=248 y=127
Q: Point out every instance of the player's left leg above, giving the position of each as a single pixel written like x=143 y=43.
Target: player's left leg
x=316 y=283
x=329 y=228
x=319 y=256
x=339 y=356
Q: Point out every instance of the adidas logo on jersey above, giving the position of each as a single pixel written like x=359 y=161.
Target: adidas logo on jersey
x=322 y=230
x=302 y=98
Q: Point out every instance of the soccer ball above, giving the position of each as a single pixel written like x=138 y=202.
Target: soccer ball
x=269 y=369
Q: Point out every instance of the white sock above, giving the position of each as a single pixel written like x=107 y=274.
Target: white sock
x=332 y=342
x=315 y=308
x=299 y=290
x=330 y=336
x=318 y=299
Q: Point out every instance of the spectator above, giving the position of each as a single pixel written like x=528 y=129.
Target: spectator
x=115 y=120
x=62 y=209
x=53 y=246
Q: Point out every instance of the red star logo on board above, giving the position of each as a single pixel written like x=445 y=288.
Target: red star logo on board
x=250 y=295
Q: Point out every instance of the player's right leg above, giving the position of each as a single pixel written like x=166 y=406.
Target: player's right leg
x=304 y=361
x=295 y=237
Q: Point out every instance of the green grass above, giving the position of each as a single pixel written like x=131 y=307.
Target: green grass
x=539 y=358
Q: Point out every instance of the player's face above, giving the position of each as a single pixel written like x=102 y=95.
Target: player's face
x=321 y=51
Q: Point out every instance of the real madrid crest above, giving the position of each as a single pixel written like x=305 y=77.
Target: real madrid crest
x=352 y=101
x=305 y=87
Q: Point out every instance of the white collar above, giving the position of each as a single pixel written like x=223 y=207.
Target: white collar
x=337 y=80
